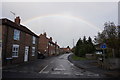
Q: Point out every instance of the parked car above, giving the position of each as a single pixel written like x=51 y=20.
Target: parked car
x=41 y=56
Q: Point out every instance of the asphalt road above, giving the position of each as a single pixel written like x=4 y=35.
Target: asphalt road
x=53 y=67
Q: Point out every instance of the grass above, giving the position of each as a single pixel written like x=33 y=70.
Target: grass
x=74 y=57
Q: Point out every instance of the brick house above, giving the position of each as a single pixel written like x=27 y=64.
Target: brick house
x=47 y=46
x=0 y=43
x=57 y=49
x=65 y=50
x=19 y=44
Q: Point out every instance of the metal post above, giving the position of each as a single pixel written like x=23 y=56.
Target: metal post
x=103 y=55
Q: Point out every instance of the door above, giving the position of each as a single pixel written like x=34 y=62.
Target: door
x=26 y=53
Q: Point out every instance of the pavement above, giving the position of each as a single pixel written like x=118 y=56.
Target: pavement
x=91 y=65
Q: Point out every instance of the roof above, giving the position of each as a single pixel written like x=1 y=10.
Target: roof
x=10 y=23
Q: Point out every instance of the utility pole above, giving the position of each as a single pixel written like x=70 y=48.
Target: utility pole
x=73 y=42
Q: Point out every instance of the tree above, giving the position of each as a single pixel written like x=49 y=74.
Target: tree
x=84 y=40
x=73 y=49
x=89 y=40
x=84 y=46
x=78 y=47
x=90 y=46
x=110 y=36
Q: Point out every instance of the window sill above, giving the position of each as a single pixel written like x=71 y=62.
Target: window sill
x=14 y=56
x=16 y=40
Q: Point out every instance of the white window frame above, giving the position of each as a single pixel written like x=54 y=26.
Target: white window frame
x=16 y=34
x=15 y=50
x=33 y=39
x=33 y=51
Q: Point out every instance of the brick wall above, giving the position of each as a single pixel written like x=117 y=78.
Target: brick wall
x=46 y=45
x=8 y=41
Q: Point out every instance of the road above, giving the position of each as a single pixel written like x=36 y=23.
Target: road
x=53 y=67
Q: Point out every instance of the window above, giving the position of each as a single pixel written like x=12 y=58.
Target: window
x=15 y=50
x=33 y=51
x=16 y=34
x=34 y=39
x=48 y=43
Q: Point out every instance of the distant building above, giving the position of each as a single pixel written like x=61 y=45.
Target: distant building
x=19 y=44
x=47 y=46
x=65 y=50
x=57 y=48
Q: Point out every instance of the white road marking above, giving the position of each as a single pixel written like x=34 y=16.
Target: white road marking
x=70 y=63
x=93 y=74
x=58 y=69
x=67 y=73
x=79 y=74
x=62 y=67
x=43 y=69
x=55 y=73
x=45 y=72
x=61 y=57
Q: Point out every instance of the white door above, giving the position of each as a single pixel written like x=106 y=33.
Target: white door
x=26 y=53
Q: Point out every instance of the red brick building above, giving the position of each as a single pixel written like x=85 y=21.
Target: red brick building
x=65 y=50
x=19 y=44
x=47 y=46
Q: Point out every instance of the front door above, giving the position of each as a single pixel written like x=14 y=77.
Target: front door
x=26 y=53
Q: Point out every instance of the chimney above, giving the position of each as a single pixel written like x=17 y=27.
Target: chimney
x=51 y=38
x=17 y=20
x=56 y=43
x=44 y=34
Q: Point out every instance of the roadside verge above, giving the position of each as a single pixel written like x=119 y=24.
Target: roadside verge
x=91 y=65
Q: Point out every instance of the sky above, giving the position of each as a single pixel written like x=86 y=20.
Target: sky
x=63 y=21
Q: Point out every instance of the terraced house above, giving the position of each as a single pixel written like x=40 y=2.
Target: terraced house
x=47 y=46
x=19 y=44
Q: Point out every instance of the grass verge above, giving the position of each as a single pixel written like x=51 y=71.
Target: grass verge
x=74 y=57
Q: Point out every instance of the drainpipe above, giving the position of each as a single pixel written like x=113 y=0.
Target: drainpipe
x=113 y=53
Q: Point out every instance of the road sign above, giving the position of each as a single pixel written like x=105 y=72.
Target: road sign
x=103 y=46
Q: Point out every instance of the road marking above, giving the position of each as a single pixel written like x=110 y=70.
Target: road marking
x=62 y=67
x=67 y=73
x=45 y=72
x=70 y=63
x=58 y=69
x=79 y=74
x=43 y=69
x=55 y=73
x=62 y=56
x=91 y=74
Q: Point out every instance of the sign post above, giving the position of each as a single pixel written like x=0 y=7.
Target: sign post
x=103 y=46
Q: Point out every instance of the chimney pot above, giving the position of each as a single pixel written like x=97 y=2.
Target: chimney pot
x=17 y=20
x=51 y=38
x=44 y=33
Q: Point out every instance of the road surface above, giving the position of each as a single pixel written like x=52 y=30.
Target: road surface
x=53 y=67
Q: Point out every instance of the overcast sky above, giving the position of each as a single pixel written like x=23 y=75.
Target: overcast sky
x=64 y=21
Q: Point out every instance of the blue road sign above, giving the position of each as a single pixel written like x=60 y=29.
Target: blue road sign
x=103 y=46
